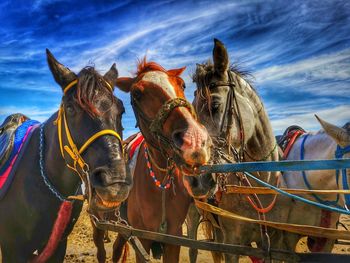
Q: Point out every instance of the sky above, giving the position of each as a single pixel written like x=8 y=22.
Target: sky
x=298 y=52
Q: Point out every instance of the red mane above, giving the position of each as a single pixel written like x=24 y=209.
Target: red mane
x=143 y=66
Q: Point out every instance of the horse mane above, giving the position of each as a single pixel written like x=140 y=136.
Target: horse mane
x=91 y=86
x=143 y=66
x=347 y=127
x=204 y=73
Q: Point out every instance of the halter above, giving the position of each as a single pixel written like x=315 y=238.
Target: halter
x=223 y=141
x=71 y=149
x=156 y=125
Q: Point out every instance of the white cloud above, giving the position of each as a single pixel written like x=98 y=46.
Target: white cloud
x=333 y=66
x=337 y=115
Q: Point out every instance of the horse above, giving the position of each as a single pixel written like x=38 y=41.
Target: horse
x=173 y=143
x=328 y=143
x=234 y=115
x=235 y=118
x=80 y=142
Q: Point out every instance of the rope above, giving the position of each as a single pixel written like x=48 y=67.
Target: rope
x=308 y=185
x=294 y=228
x=299 y=198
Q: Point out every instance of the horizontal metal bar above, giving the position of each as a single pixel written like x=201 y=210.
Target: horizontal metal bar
x=303 y=165
x=203 y=245
x=223 y=248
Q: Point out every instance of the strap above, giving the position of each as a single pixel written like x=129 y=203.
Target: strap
x=294 y=228
x=339 y=152
x=164 y=224
x=74 y=82
x=164 y=112
x=96 y=136
x=308 y=185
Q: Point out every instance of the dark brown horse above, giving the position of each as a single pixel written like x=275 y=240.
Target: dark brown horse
x=89 y=119
x=174 y=143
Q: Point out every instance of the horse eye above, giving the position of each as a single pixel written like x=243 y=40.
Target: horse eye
x=184 y=86
x=70 y=109
x=212 y=85
x=137 y=94
x=215 y=106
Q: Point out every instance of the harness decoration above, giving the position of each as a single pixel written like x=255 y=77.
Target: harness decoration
x=21 y=137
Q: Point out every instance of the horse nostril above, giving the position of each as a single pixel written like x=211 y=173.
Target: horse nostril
x=178 y=138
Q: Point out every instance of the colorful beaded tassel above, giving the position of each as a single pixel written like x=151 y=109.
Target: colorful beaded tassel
x=152 y=174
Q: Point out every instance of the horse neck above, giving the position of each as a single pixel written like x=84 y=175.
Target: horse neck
x=319 y=146
x=62 y=178
x=261 y=140
x=260 y=143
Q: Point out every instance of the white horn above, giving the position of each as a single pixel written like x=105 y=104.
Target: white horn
x=340 y=135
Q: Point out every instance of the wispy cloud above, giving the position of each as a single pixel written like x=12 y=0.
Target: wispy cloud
x=299 y=53
x=337 y=115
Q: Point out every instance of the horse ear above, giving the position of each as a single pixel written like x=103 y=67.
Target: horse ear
x=338 y=134
x=111 y=75
x=124 y=83
x=220 y=57
x=176 y=72
x=62 y=75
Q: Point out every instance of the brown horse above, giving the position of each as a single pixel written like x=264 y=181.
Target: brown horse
x=174 y=143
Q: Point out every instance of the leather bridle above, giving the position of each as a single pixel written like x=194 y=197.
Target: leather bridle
x=156 y=124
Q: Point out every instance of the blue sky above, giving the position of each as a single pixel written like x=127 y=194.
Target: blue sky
x=297 y=51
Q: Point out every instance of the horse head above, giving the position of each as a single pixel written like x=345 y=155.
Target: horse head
x=229 y=107
x=166 y=119
x=89 y=131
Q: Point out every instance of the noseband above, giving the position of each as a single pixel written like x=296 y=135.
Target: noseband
x=156 y=125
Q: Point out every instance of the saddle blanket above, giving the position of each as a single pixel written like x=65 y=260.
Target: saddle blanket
x=132 y=148
x=21 y=139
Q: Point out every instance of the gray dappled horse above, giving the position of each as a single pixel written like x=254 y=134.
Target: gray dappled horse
x=235 y=117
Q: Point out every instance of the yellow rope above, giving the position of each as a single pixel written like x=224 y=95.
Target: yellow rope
x=307 y=230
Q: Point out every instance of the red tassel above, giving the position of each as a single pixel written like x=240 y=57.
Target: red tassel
x=256 y=260
x=60 y=225
x=125 y=253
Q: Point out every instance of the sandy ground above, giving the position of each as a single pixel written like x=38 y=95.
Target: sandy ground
x=81 y=247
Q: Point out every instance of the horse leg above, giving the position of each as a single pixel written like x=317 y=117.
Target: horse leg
x=118 y=246
x=171 y=253
x=193 y=219
x=218 y=237
x=98 y=236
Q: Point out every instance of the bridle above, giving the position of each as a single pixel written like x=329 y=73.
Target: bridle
x=156 y=124
x=223 y=140
x=79 y=165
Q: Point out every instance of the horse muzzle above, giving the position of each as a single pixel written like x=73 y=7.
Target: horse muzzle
x=109 y=187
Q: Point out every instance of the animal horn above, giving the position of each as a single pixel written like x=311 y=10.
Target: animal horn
x=339 y=134
x=62 y=75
